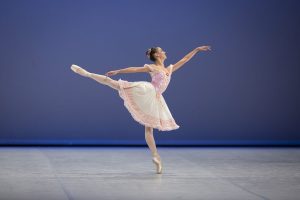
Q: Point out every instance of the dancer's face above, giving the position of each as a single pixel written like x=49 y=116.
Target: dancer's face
x=161 y=53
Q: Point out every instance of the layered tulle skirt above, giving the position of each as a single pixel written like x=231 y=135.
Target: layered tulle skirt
x=146 y=106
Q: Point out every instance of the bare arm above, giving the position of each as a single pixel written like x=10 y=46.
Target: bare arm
x=145 y=68
x=187 y=57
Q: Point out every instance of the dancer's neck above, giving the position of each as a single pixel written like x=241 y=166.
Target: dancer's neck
x=159 y=63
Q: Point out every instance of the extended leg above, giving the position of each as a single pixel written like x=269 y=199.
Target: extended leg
x=105 y=80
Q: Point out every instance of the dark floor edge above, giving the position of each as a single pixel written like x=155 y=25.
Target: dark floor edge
x=141 y=145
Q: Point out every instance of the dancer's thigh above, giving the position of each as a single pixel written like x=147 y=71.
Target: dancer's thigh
x=113 y=83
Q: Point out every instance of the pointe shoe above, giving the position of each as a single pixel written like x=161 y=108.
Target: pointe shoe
x=157 y=161
x=79 y=70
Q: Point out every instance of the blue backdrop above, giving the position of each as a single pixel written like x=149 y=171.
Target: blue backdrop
x=245 y=91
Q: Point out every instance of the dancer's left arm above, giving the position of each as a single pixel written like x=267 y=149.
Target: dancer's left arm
x=186 y=58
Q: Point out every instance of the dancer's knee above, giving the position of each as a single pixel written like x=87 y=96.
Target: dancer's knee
x=148 y=129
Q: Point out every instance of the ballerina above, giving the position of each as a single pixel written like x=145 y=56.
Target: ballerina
x=143 y=99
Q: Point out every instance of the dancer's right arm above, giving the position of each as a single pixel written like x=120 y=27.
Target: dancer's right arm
x=145 y=68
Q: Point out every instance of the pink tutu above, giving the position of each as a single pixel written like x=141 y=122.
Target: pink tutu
x=145 y=102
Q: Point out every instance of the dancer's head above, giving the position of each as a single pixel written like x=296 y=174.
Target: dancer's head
x=156 y=53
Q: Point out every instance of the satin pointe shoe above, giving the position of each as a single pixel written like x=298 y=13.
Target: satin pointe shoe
x=75 y=68
x=157 y=161
x=79 y=70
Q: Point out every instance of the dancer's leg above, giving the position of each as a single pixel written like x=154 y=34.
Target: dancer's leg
x=152 y=146
x=105 y=80
x=150 y=140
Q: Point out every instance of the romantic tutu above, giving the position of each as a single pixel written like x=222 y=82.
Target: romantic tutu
x=145 y=102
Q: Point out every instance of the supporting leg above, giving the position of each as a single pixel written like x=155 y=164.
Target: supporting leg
x=105 y=80
x=152 y=146
x=150 y=140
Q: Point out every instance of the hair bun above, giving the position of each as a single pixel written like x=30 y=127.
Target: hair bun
x=148 y=52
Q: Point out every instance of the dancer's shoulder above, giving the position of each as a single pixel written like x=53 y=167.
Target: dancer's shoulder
x=149 y=66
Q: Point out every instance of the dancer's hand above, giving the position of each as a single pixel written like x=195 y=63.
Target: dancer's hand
x=111 y=73
x=203 y=48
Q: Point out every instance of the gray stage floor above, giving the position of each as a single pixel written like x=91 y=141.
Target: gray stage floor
x=42 y=173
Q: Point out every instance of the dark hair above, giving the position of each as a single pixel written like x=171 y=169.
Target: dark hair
x=150 y=53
